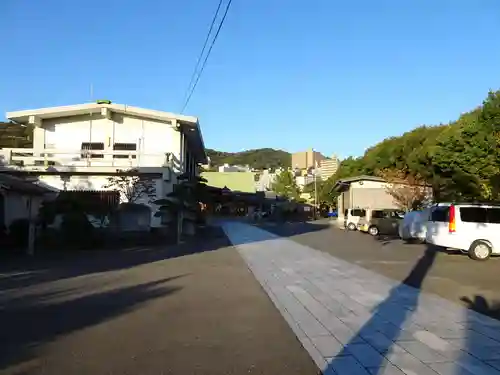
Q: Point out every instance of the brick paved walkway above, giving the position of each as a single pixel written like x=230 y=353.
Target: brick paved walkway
x=353 y=321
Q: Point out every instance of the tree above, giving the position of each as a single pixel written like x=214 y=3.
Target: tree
x=466 y=159
x=131 y=185
x=323 y=191
x=286 y=186
x=409 y=191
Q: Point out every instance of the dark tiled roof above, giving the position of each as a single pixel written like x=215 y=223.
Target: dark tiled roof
x=18 y=184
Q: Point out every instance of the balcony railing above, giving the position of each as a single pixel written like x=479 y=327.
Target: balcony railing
x=29 y=158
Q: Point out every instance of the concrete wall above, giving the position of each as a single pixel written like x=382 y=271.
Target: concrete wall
x=365 y=194
x=17 y=206
x=152 y=137
x=372 y=198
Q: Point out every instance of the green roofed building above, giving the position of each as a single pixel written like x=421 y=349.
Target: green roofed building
x=234 y=181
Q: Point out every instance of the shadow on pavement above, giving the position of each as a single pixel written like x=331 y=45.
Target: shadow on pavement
x=30 y=322
x=24 y=272
x=387 y=239
x=482 y=338
x=481 y=305
x=385 y=325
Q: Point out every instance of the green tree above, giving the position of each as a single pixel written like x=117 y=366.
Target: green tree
x=286 y=186
x=323 y=191
x=460 y=160
x=466 y=159
x=131 y=185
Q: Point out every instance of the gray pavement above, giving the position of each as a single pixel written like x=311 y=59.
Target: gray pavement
x=452 y=276
x=194 y=309
x=352 y=320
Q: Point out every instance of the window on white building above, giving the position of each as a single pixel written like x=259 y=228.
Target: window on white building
x=124 y=147
x=88 y=149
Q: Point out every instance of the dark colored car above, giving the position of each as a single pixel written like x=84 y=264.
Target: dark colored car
x=382 y=222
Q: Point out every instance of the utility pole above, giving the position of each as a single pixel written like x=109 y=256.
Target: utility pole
x=315 y=196
x=90 y=125
x=315 y=186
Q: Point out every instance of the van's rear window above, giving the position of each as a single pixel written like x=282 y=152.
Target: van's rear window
x=480 y=215
x=473 y=214
x=358 y=212
x=494 y=215
x=441 y=214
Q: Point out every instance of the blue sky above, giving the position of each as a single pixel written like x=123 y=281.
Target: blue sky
x=338 y=76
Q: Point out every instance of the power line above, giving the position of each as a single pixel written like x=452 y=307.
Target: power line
x=207 y=56
x=203 y=49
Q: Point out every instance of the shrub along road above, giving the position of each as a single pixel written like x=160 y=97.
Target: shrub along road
x=190 y=310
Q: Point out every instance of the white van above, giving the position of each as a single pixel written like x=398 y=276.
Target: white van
x=472 y=228
x=352 y=216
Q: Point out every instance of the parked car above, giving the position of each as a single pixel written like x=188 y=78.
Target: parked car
x=363 y=222
x=352 y=216
x=471 y=228
x=381 y=221
x=414 y=225
x=332 y=214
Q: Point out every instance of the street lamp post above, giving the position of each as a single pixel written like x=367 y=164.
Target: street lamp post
x=315 y=194
x=315 y=171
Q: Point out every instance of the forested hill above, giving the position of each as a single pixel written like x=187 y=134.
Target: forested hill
x=258 y=159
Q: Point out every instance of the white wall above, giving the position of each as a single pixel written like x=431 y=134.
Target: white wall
x=368 y=185
x=153 y=138
x=16 y=206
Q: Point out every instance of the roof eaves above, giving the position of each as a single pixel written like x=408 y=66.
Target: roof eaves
x=82 y=108
x=18 y=184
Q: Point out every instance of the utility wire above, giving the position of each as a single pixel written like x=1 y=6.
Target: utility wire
x=207 y=56
x=196 y=67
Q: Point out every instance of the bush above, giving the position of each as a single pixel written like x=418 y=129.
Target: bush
x=76 y=229
x=19 y=233
x=4 y=238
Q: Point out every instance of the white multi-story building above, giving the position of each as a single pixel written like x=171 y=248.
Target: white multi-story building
x=79 y=147
x=328 y=167
x=266 y=180
x=234 y=168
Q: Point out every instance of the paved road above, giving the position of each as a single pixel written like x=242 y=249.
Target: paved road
x=355 y=321
x=144 y=312
x=452 y=276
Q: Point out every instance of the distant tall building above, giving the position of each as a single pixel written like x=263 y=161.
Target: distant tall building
x=328 y=167
x=306 y=159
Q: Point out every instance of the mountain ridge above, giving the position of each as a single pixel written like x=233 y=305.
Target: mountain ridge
x=260 y=158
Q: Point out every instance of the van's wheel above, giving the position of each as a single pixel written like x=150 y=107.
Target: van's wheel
x=373 y=231
x=480 y=250
x=351 y=226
